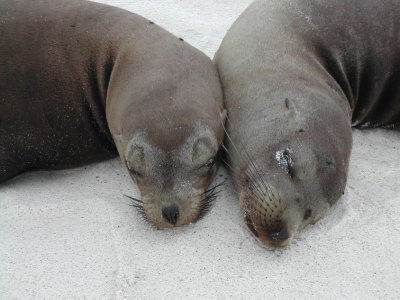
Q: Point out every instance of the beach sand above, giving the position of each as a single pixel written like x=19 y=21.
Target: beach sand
x=72 y=235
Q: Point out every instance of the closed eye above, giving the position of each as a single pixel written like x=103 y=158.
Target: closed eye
x=210 y=163
x=135 y=173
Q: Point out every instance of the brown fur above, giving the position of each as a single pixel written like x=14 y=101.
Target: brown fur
x=80 y=81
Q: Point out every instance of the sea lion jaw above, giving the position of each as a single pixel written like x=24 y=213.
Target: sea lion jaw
x=282 y=197
x=173 y=183
x=175 y=208
x=271 y=215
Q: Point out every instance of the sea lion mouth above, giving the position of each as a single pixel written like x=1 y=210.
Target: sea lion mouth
x=169 y=216
x=264 y=220
x=275 y=236
x=177 y=215
x=278 y=235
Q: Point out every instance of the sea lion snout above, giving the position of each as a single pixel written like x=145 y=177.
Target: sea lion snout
x=173 y=182
x=175 y=208
x=171 y=213
x=278 y=234
x=275 y=229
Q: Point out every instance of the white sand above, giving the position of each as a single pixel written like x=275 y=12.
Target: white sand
x=71 y=234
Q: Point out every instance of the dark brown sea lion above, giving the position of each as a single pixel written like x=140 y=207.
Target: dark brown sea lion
x=81 y=80
x=297 y=74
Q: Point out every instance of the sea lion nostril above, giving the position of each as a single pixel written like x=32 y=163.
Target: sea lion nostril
x=171 y=214
x=278 y=234
x=307 y=214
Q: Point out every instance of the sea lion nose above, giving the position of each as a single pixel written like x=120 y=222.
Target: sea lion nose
x=171 y=214
x=278 y=234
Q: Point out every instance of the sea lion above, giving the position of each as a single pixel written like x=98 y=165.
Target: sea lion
x=80 y=80
x=297 y=75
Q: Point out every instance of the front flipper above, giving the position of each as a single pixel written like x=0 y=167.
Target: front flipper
x=10 y=165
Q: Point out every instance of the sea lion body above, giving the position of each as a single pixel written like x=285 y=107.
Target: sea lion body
x=80 y=80
x=296 y=76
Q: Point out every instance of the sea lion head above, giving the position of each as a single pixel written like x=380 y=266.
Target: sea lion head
x=295 y=171
x=172 y=159
x=173 y=182
x=167 y=125
x=169 y=137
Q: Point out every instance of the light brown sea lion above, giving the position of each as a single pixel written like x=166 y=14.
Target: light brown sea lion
x=297 y=74
x=80 y=80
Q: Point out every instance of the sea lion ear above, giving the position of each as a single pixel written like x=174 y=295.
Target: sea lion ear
x=135 y=160
x=203 y=151
x=223 y=115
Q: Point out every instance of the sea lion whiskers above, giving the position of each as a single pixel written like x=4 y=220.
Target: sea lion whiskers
x=213 y=189
x=138 y=205
x=259 y=187
x=231 y=169
x=134 y=199
x=262 y=207
x=243 y=146
x=231 y=141
x=226 y=163
x=210 y=195
x=263 y=185
x=261 y=191
x=256 y=188
x=208 y=199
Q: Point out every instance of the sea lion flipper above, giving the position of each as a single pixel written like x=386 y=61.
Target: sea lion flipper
x=9 y=166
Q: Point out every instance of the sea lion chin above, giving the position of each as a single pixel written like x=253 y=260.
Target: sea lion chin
x=297 y=75
x=81 y=82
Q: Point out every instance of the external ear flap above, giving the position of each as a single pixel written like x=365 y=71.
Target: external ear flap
x=202 y=152
x=135 y=160
x=291 y=107
x=223 y=115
